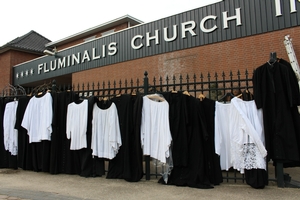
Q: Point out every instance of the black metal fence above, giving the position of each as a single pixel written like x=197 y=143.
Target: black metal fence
x=213 y=86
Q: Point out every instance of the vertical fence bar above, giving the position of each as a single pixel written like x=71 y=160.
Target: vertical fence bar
x=195 y=85
x=147 y=158
x=160 y=84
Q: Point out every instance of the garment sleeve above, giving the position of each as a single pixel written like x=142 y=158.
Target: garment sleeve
x=218 y=135
x=257 y=88
x=94 y=132
x=294 y=86
x=69 y=120
x=27 y=117
x=142 y=132
x=49 y=114
x=115 y=134
x=248 y=128
x=6 y=120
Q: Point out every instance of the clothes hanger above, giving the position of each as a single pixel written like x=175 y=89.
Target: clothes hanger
x=201 y=96
x=186 y=93
x=133 y=92
x=227 y=96
x=156 y=97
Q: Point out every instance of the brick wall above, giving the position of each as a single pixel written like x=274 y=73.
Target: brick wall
x=9 y=59
x=5 y=70
x=239 y=54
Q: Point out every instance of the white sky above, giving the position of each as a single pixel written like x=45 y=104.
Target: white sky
x=57 y=19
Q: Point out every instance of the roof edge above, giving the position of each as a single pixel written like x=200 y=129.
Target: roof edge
x=95 y=29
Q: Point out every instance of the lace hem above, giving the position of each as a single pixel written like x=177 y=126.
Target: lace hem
x=247 y=156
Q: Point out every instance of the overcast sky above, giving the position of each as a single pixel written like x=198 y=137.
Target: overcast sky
x=57 y=19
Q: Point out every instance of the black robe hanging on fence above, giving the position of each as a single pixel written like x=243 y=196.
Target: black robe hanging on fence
x=62 y=159
x=126 y=163
x=24 y=148
x=212 y=160
x=178 y=123
x=276 y=91
x=69 y=159
x=86 y=159
x=194 y=174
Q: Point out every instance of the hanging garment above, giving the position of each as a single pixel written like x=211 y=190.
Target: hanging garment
x=6 y=159
x=212 y=160
x=24 y=148
x=38 y=118
x=77 y=117
x=194 y=174
x=247 y=136
x=10 y=133
x=276 y=91
x=222 y=135
x=87 y=163
x=128 y=162
x=239 y=138
x=106 y=137
x=155 y=129
x=63 y=159
x=178 y=123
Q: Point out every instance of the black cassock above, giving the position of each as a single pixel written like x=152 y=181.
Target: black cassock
x=276 y=91
x=212 y=160
x=24 y=148
x=190 y=137
x=128 y=162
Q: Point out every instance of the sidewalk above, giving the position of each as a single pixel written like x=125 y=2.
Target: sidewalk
x=20 y=184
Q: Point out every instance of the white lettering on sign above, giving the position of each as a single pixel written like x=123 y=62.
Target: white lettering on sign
x=94 y=57
x=188 y=26
x=112 y=49
x=53 y=65
x=202 y=27
x=133 y=42
x=237 y=17
x=61 y=63
x=78 y=58
x=166 y=38
x=85 y=57
x=155 y=37
x=278 y=7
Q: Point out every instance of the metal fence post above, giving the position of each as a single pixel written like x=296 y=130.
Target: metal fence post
x=147 y=158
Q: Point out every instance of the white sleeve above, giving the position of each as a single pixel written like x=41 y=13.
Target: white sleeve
x=218 y=135
x=69 y=120
x=249 y=129
x=115 y=135
x=6 y=119
x=94 y=129
x=49 y=114
x=143 y=126
x=27 y=117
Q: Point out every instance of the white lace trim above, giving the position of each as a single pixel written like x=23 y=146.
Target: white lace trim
x=247 y=156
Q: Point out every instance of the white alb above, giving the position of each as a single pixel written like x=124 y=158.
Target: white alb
x=155 y=129
x=106 y=135
x=37 y=118
x=77 y=116
x=10 y=134
x=239 y=135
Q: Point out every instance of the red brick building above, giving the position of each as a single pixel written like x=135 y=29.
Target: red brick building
x=226 y=36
